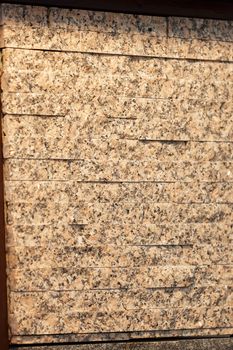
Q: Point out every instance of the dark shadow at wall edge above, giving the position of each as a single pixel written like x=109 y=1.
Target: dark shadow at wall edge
x=202 y=343
x=216 y=9
x=4 y=341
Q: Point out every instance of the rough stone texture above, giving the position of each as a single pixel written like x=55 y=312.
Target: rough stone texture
x=118 y=147
x=203 y=344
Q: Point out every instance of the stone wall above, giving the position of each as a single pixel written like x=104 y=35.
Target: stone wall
x=118 y=150
x=219 y=343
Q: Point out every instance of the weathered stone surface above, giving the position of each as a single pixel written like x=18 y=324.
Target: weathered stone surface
x=191 y=278
x=90 y=130
x=194 y=344
x=55 y=302
x=83 y=20
x=75 y=30
x=125 y=300
x=102 y=104
x=20 y=15
x=199 y=28
x=142 y=86
x=118 y=170
x=107 y=22
x=80 y=64
x=73 y=192
x=43 y=38
x=118 y=150
x=124 y=336
x=119 y=321
x=133 y=234
x=106 y=279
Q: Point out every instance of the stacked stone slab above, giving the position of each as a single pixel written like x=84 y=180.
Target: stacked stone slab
x=118 y=148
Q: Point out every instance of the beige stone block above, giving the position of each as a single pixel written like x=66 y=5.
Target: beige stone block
x=211 y=233
x=102 y=104
x=119 y=280
x=81 y=211
x=73 y=137
x=37 y=104
x=203 y=193
x=214 y=275
x=106 y=22
x=138 y=234
x=44 y=137
x=33 y=303
x=199 y=28
x=184 y=127
x=188 y=318
x=73 y=193
x=151 y=299
x=115 y=256
x=131 y=87
x=133 y=234
x=25 y=36
x=118 y=170
x=196 y=213
x=18 y=15
x=44 y=278
x=83 y=20
x=32 y=137
x=117 y=112
x=199 y=49
x=43 y=38
x=79 y=64
x=11 y=14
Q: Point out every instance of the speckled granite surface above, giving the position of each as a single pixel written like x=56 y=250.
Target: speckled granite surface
x=118 y=147
x=203 y=344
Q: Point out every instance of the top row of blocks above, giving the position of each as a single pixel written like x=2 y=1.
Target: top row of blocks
x=187 y=28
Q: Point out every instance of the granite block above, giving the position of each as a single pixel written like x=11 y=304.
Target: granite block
x=146 y=87
x=133 y=235
x=61 y=39
x=33 y=137
x=77 y=322
x=106 y=22
x=37 y=104
x=219 y=343
x=105 y=279
x=78 y=30
x=43 y=38
x=106 y=301
x=112 y=148
x=117 y=171
x=115 y=256
x=102 y=105
x=30 y=304
x=200 y=49
x=124 y=336
x=200 y=28
x=85 y=212
x=81 y=64
x=75 y=192
x=174 y=280
x=106 y=149
x=18 y=15
x=213 y=275
x=82 y=20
